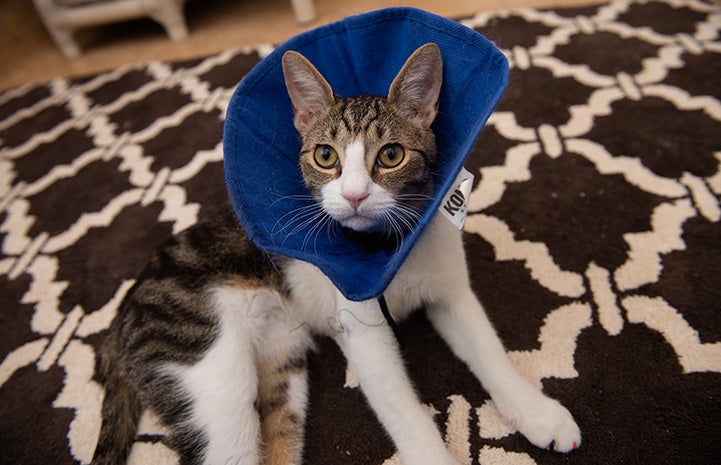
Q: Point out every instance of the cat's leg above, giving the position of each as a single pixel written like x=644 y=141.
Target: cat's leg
x=221 y=389
x=283 y=391
x=282 y=403
x=460 y=319
x=374 y=358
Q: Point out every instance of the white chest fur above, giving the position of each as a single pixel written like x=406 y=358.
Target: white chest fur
x=434 y=268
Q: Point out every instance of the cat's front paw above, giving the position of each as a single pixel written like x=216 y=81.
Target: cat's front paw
x=548 y=425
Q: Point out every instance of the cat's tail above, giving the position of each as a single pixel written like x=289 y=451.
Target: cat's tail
x=121 y=410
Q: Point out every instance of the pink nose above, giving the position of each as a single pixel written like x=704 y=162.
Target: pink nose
x=355 y=199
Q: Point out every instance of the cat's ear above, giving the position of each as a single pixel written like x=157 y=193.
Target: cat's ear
x=415 y=89
x=309 y=92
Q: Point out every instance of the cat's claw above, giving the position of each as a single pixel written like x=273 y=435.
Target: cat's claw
x=549 y=425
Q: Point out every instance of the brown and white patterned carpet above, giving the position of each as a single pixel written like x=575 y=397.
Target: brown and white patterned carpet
x=594 y=241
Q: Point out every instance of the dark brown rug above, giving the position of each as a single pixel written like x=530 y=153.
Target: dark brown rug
x=594 y=241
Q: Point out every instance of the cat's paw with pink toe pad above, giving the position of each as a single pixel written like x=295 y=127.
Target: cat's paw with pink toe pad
x=549 y=425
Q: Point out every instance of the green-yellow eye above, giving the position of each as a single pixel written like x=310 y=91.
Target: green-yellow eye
x=390 y=156
x=325 y=156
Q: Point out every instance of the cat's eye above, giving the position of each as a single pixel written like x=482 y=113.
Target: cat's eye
x=325 y=156
x=390 y=156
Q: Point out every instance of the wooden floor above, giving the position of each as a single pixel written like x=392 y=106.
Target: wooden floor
x=27 y=54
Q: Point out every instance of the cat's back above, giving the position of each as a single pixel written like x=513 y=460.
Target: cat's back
x=170 y=313
x=214 y=250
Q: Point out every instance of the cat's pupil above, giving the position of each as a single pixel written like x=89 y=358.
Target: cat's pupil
x=390 y=153
x=326 y=154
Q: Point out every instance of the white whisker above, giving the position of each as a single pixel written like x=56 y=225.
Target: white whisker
x=301 y=214
x=315 y=230
x=293 y=197
x=401 y=197
x=395 y=227
x=309 y=219
x=404 y=219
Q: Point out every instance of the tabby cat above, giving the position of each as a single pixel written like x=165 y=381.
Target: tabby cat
x=214 y=334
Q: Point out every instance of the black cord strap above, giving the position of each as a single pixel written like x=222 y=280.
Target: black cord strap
x=391 y=321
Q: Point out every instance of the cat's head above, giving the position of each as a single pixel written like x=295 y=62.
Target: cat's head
x=368 y=161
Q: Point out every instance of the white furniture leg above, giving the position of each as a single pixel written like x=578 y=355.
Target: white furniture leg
x=170 y=15
x=61 y=20
x=304 y=10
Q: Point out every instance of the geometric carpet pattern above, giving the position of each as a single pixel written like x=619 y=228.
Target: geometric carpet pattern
x=593 y=240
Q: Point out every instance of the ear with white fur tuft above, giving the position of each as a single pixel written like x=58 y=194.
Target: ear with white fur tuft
x=415 y=89
x=309 y=92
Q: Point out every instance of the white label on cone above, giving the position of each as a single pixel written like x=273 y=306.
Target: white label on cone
x=455 y=203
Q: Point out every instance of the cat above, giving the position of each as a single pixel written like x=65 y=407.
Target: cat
x=215 y=332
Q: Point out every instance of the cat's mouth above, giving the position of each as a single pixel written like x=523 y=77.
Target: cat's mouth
x=359 y=222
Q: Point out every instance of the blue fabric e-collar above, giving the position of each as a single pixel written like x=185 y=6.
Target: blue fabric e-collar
x=358 y=55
